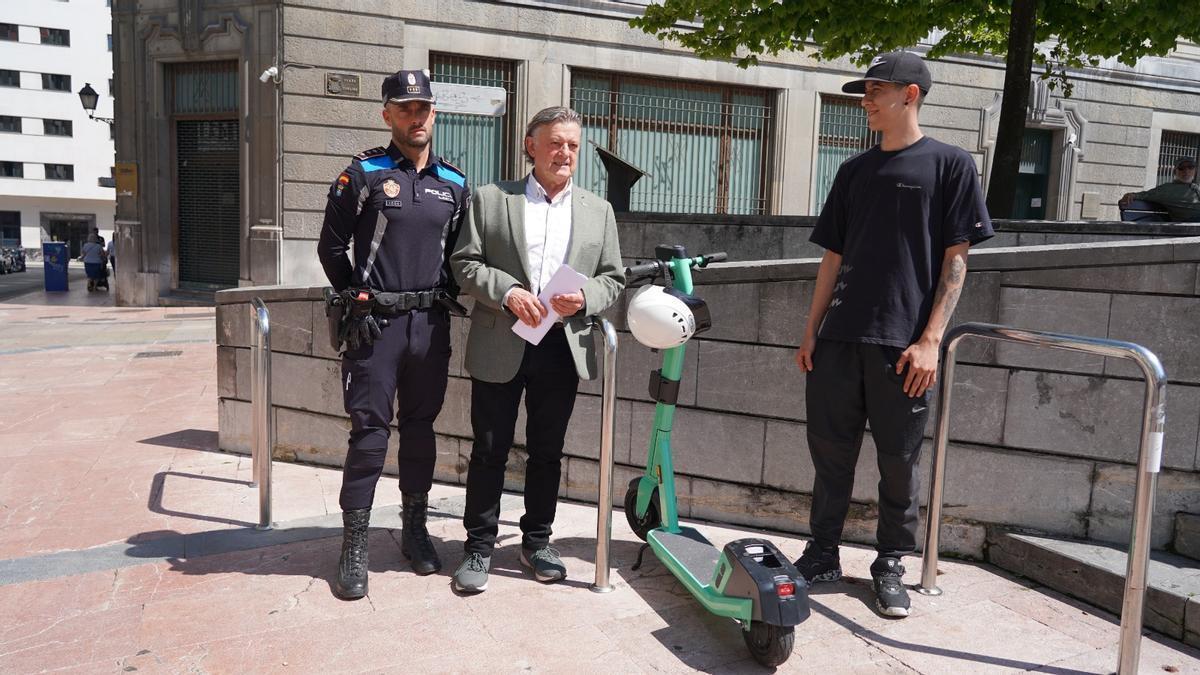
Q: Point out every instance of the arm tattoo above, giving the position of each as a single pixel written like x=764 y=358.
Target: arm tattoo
x=950 y=288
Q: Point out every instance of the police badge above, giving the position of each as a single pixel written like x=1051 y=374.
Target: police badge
x=391 y=188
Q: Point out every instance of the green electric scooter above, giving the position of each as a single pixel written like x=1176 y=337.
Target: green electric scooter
x=749 y=580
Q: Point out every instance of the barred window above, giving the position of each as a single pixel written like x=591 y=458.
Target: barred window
x=843 y=133
x=1175 y=144
x=707 y=147
x=481 y=146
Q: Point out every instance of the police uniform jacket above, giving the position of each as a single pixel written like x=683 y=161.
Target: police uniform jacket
x=400 y=221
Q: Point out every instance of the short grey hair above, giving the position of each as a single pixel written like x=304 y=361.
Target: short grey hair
x=551 y=115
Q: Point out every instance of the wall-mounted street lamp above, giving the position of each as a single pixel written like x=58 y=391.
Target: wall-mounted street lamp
x=89 y=98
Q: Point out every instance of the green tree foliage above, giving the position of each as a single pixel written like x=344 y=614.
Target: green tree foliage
x=1071 y=34
x=1078 y=32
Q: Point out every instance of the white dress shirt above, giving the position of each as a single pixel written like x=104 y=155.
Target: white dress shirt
x=547 y=232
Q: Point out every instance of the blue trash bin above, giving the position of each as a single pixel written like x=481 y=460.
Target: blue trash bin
x=56 y=256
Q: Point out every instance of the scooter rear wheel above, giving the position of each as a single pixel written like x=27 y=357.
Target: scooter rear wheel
x=649 y=521
x=769 y=645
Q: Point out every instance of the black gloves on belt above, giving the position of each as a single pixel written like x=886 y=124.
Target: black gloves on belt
x=359 y=327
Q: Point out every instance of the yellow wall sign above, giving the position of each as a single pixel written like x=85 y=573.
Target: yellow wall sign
x=126 y=179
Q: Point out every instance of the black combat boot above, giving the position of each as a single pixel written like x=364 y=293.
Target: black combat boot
x=414 y=540
x=352 y=567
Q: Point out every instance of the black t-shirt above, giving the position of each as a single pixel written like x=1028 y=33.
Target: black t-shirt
x=891 y=216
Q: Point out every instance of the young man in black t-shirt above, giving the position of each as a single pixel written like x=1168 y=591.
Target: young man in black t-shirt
x=895 y=228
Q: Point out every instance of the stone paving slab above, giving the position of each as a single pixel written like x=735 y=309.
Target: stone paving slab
x=127 y=545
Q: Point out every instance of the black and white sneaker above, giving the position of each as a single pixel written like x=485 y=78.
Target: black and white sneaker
x=891 y=598
x=819 y=564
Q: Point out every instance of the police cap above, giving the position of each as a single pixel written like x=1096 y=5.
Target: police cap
x=407 y=85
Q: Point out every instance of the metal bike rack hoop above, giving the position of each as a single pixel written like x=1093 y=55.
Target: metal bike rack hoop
x=1149 y=461
x=604 y=499
x=263 y=428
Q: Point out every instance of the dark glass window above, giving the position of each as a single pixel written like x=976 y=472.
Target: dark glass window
x=8 y=32
x=57 y=127
x=10 y=78
x=56 y=36
x=10 y=228
x=56 y=82
x=60 y=172
x=110 y=43
x=10 y=124
x=12 y=170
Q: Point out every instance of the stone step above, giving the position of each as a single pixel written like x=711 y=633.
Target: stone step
x=1095 y=572
x=1187 y=535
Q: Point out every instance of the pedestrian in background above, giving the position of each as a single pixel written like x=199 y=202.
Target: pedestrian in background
x=92 y=255
x=1180 y=197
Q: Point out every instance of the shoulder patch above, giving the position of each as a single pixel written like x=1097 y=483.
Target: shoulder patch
x=380 y=163
x=368 y=154
x=447 y=171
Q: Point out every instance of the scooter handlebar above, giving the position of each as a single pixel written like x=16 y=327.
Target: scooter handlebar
x=644 y=271
x=636 y=274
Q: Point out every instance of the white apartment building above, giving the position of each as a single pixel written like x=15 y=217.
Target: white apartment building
x=55 y=163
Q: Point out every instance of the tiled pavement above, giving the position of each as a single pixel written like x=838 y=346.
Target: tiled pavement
x=126 y=545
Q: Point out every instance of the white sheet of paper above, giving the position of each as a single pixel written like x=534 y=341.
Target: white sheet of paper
x=565 y=280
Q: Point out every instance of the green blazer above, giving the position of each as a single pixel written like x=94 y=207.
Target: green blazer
x=491 y=257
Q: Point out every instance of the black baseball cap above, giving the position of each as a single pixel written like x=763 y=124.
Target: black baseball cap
x=897 y=67
x=407 y=85
x=1185 y=160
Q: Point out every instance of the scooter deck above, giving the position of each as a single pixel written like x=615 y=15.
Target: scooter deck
x=690 y=549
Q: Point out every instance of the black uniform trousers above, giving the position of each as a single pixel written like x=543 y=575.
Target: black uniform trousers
x=549 y=380
x=850 y=384
x=408 y=366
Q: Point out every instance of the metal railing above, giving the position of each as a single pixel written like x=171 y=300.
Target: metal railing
x=608 y=405
x=1149 y=462
x=262 y=429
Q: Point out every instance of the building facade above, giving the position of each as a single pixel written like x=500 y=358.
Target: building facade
x=56 y=165
x=712 y=138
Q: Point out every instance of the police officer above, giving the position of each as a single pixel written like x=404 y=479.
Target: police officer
x=400 y=208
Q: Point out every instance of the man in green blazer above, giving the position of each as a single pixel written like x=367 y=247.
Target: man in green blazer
x=516 y=237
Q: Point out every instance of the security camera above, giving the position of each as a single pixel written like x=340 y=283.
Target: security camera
x=269 y=74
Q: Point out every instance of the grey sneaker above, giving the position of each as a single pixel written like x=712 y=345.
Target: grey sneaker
x=544 y=563
x=472 y=574
x=891 y=598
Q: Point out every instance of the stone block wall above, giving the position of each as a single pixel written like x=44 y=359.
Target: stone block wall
x=1039 y=439
x=1117 y=113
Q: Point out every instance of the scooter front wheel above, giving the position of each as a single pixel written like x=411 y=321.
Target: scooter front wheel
x=769 y=645
x=651 y=519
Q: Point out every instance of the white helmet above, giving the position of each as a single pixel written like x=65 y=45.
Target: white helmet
x=663 y=318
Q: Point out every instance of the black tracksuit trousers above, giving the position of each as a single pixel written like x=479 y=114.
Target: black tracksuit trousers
x=852 y=383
